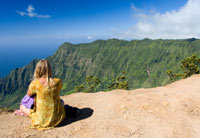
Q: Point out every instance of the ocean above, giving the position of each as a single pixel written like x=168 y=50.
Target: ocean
x=12 y=57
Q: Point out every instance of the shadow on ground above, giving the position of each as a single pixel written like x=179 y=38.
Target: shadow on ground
x=71 y=117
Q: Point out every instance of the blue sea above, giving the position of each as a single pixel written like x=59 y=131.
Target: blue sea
x=12 y=57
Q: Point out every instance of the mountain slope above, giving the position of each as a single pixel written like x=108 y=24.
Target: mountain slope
x=105 y=59
x=169 y=111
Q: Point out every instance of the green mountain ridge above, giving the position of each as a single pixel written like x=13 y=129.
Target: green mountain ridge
x=104 y=59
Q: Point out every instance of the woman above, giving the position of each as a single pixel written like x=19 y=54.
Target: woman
x=48 y=110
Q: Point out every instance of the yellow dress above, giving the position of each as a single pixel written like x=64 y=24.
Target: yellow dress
x=48 y=111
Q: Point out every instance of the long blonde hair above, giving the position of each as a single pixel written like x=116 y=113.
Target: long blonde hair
x=43 y=69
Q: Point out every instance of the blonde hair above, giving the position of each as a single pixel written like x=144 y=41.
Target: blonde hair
x=43 y=69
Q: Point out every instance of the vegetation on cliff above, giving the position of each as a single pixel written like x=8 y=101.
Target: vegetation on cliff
x=189 y=66
x=144 y=61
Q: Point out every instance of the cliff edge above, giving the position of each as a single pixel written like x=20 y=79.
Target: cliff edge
x=172 y=111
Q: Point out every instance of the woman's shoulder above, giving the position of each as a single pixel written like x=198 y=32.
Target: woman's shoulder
x=57 y=83
x=57 y=79
x=34 y=82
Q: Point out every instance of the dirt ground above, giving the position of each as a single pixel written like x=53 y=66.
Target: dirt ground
x=172 y=111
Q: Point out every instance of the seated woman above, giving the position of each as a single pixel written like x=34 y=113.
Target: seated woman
x=48 y=110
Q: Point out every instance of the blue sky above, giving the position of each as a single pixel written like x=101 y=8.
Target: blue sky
x=36 y=28
x=52 y=22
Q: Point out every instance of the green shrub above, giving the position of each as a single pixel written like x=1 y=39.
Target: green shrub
x=89 y=85
x=119 y=83
x=189 y=66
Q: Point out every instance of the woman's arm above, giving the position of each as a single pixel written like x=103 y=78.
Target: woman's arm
x=29 y=93
x=31 y=88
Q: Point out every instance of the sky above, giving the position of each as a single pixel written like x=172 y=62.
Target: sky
x=53 y=22
x=32 y=29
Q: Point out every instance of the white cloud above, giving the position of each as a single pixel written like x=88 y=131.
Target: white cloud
x=89 y=37
x=183 y=23
x=21 y=13
x=30 y=12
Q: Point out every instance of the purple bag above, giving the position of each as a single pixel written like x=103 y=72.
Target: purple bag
x=27 y=101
